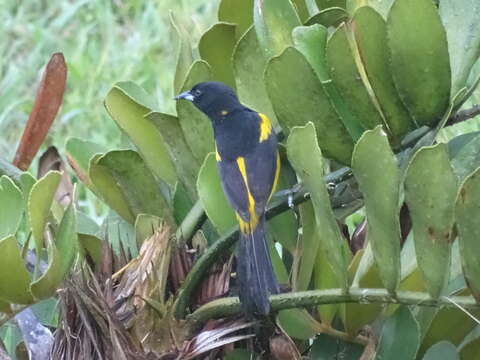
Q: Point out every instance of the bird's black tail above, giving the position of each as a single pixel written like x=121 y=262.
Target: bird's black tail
x=255 y=272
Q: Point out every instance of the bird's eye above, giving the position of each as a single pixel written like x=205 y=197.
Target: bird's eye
x=197 y=93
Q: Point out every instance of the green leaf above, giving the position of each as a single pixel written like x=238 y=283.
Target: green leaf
x=460 y=18
x=348 y=80
x=464 y=151
x=471 y=350
x=400 y=336
x=442 y=325
x=306 y=158
x=129 y=114
x=185 y=55
x=136 y=183
x=274 y=21
x=11 y=207
x=326 y=347
x=430 y=191
x=307 y=248
x=106 y=187
x=375 y=168
x=213 y=199
x=302 y=9
x=248 y=63
x=442 y=350
x=467 y=211
x=380 y=6
x=325 y=4
x=239 y=354
x=92 y=245
x=61 y=254
x=419 y=59
x=196 y=126
x=14 y=277
x=145 y=227
x=311 y=42
x=39 y=204
x=182 y=203
x=333 y=16
x=289 y=79
x=298 y=323
x=79 y=154
x=185 y=163
x=216 y=48
x=237 y=12
x=370 y=32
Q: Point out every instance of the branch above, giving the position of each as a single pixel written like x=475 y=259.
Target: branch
x=231 y=306
x=463 y=115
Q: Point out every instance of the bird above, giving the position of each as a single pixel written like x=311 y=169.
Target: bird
x=249 y=167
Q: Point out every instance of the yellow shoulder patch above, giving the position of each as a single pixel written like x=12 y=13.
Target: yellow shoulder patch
x=265 y=127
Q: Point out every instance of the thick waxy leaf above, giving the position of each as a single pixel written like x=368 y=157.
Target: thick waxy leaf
x=145 y=226
x=61 y=254
x=289 y=77
x=14 y=277
x=185 y=163
x=298 y=323
x=467 y=212
x=328 y=17
x=419 y=59
x=135 y=182
x=248 y=63
x=302 y=9
x=464 y=151
x=274 y=21
x=11 y=207
x=306 y=158
x=375 y=168
x=380 y=6
x=79 y=153
x=460 y=18
x=440 y=327
x=182 y=203
x=370 y=32
x=216 y=48
x=442 y=350
x=311 y=42
x=471 y=350
x=126 y=106
x=106 y=187
x=39 y=204
x=92 y=246
x=400 y=336
x=211 y=195
x=237 y=12
x=430 y=191
x=307 y=247
x=184 y=57
x=325 y=4
x=47 y=102
x=347 y=79
x=326 y=347
x=196 y=126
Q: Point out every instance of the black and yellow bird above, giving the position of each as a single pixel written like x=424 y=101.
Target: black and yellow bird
x=249 y=166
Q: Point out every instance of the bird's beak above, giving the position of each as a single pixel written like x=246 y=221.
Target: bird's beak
x=187 y=95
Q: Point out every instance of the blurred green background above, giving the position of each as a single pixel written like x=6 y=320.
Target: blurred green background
x=103 y=42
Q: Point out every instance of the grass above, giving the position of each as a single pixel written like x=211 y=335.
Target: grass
x=103 y=42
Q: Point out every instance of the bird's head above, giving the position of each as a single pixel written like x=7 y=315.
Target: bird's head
x=213 y=98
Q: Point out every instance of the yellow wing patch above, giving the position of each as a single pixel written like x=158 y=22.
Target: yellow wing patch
x=253 y=222
x=217 y=155
x=265 y=127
